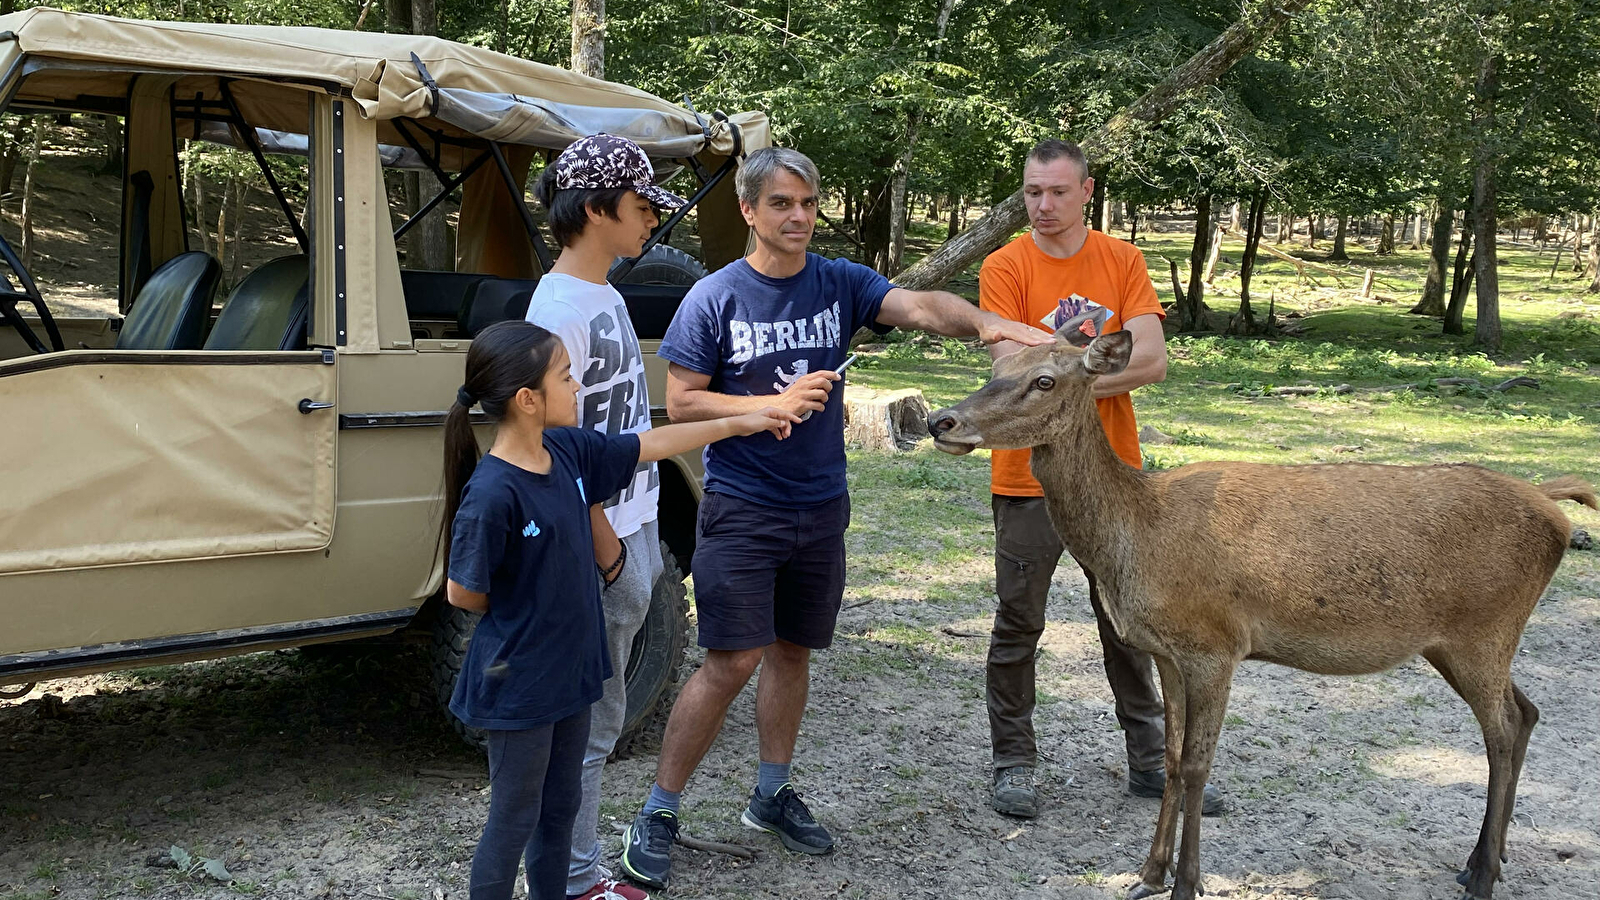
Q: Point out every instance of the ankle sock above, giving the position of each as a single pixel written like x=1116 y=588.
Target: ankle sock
x=770 y=777
x=661 y=798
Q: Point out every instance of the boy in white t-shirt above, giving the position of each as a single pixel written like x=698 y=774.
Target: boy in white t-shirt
x=602 y=204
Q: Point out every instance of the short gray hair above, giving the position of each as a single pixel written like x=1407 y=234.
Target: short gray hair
x=758 y=168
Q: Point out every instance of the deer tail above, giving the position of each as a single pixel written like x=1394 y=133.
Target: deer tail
x=1571 y=487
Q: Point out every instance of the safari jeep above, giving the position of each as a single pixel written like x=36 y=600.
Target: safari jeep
x=222 y=462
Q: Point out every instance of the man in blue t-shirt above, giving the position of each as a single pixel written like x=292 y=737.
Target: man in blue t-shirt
x=769 y=567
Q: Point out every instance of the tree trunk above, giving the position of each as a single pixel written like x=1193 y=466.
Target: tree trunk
x=1312 y=227
x=222 y=224
x=1191 y=317
x=1233 y=217
x=1386 y=237
x=240 y=191
x=849 y=206
x=955 y=218
x=1338 y=238
x=875 y=218
x=12 y=153
x=200 y=211
x=1211 y=258
x=1592 y=271
x=39 y=125
x=1202 y=69
x=1245 y=321
x=897 y=195
x=1462 y=280
x=1486 y=268
x=1133 y=224
x=113 y=136
x=1416 y=232
x=1432 y=302
x=588 y=36
x=1097 y=205
x=1116 y=214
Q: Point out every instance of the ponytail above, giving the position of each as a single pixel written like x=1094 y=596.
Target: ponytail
x=503 y=359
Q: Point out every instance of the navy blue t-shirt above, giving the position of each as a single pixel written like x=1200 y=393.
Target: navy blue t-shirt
x=539 y=654
x=755 y=335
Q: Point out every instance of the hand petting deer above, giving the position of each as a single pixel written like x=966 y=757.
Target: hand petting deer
x=1336 y=569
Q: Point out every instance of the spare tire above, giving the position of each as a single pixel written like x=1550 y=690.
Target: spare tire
x=654 y=664
x=662 y=265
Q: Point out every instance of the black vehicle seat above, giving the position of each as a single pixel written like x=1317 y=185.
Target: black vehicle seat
x=268 y=310
x=171 y=309
x=495 y=300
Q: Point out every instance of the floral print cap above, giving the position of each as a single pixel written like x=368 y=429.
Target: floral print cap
x=607 y=161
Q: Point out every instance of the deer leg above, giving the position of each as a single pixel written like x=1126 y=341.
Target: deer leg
x=1153 y=876
x=1527 y=716
x=1485 y=683
x=1205 y=703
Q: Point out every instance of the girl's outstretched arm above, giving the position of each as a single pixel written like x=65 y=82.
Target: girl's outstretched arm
x=670 y=440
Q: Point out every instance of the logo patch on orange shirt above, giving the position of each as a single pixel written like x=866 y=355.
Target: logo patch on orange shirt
x=1066 y=308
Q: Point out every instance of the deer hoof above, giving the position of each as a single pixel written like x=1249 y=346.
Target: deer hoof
x=1142 y=890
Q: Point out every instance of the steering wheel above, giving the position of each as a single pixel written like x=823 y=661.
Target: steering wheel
x=10 y=296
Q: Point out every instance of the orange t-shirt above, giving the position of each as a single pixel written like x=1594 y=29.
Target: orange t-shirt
x=1023 y=283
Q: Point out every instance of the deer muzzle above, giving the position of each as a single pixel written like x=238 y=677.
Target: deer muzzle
x=950 y=435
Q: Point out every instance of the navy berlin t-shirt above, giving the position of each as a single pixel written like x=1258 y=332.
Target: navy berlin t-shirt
x=755 y=335
x=539 y=654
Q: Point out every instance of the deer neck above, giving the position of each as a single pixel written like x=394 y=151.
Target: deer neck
x=1094 y=497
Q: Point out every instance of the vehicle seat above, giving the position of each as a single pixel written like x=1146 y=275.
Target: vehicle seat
x=268 y=310
x=171 y=309
x=495 y=300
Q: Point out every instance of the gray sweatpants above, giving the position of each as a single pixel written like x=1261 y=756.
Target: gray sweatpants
x=626 y=602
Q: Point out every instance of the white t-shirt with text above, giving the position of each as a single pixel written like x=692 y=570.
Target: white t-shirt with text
x=613 y=398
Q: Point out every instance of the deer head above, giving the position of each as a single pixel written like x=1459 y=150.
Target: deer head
x=1034 y=391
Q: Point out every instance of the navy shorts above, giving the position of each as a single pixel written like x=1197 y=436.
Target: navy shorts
x=762 y=572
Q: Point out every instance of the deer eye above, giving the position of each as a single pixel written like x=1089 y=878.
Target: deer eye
x=1044 y=382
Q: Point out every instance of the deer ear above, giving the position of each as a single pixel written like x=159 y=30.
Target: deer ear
x=1084 y=327
x=1109 y=353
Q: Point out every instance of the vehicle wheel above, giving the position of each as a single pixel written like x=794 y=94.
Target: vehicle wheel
x=655 y=663
x=452 y=631
x=665 y=265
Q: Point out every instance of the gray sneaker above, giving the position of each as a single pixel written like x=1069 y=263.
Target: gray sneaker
x=1014 y=793
x=1153 y=782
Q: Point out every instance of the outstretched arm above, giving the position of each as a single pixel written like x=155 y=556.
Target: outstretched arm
x=942 y=312
x=670 y=440
x=1146 y=365
x=690 y=399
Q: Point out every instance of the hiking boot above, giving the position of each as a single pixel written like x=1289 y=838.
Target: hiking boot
x=1014 y=793
x=647 y=847
x=608 y=888
x=1153 y=782
x=785 y=815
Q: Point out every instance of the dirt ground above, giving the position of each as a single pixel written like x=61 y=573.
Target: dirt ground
x=316 y=778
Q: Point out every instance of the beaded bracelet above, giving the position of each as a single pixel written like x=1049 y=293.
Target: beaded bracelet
x=608 y=576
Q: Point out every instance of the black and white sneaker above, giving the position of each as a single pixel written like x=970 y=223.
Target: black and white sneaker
x=647 y=847
x=785 y=815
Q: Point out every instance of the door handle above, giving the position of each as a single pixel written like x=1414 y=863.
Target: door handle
x=307 y=406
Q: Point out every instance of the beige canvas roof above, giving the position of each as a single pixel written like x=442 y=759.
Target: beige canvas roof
x=375 y=70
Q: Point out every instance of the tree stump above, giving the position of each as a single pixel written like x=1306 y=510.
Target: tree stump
x=884 y=420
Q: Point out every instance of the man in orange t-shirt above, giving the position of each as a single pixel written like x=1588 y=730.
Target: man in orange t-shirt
x=1043 y=278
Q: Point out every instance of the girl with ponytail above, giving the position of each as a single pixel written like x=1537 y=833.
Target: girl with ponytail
x=521 y=552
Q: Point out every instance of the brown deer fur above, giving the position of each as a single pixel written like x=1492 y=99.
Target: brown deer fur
x=1337 y=569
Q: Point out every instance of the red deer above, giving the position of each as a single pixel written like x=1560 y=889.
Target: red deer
x=1336 y=569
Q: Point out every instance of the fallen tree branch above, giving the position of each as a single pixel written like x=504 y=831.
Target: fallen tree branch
x=1306 y=390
